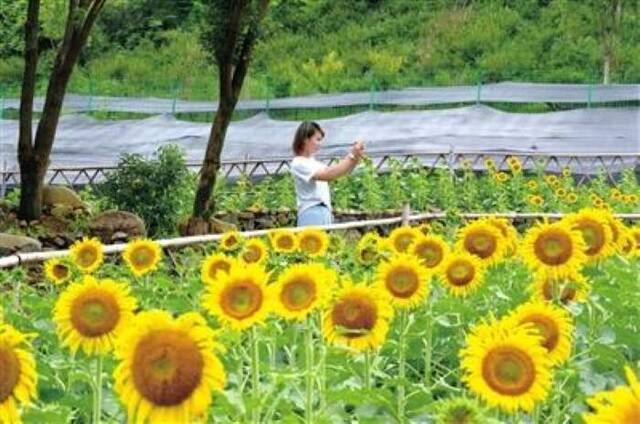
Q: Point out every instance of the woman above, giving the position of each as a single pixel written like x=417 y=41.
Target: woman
x=311 y=176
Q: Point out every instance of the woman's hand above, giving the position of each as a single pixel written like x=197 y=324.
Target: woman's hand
x=357 y=150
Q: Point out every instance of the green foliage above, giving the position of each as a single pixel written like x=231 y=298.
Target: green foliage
x=159 y=189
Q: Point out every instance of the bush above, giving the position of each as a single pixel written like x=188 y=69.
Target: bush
x=159 y=189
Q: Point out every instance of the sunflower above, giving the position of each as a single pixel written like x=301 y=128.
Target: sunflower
x=596 y=232
x=401 y=238
x=618 y=406
x=254 y=251
x=571 y=198
x=535 y=200
x=214 y=264
x=501 y=177
x=283 y=241
x=142 y=256
x=404 y=280
x=462 y=273
x=553 y=323
x=507 y=231
x=551 y=180
x=514 y=164
x=425 y=228
x=57 y=271
x=554 y=249
x=483 y=240
x=461 y=410
x=313 y=241
x=430 y=250
x=358 y=317
x=239 y=299
x=87 y=254
x=490 y=163
x=631 y=199
x=506 y=366
x=368 y=248
x=18 y=376
x=230 y=241
x=570 y=288
x=561 y=193
x=532 y=184
x=634 y=234
x=301 y=289
x=91 y=314
x=167 y=370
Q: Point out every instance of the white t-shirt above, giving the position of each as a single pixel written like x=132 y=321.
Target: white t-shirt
x=309 y=192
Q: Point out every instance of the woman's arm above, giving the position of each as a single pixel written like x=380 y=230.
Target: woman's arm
x=337 y=170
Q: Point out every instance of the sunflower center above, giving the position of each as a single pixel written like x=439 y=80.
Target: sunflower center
x=167 y=367
x=368 y=254
x=460 y=415
x=354 y=316
x=284 y=242
x=241 y=300
x=298 y=294
x=218 y=266
x=481 y=243
x=402 y=282
x=402 y=242
x=9 y=372
x=553 y=247
x=310 y=244
x=87 y=256
x=231 y=241
x=252 y=254
x=593 y=235
x=460 y=273
x=431 y=253
x=95 y=313
x=508 y=370
x=142 y=257
x=547 y=328
x=60 y=271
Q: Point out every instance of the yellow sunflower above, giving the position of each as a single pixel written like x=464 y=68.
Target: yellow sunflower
x=462 y=273
x=501 y=177
x=596 y=232
x=618 y=406
x=142 y=256
x=369 y=248
x=553 y=323
x=358 y=317
x=313 y=241
x=631 y=199
x=506 y=366
x=570 y=288
x=254 y=251
x=239 y=299
x=18 y=376
x=571 y=198
x=57 y=271
x=230 y=241
x=214 y=264
x=425 y=228
x=551 y=179
x=87 y=254
x=283 y=241
x=532 y=184
x=91 y=314
x=430 y=251
x=405 y=281
x=509 y=233
x=490 y=163
x=554 y=249
x=629 y=244
x=482 y=239
x=400 y=238
x=535 y=200
x=167 y=370
x=301 y=289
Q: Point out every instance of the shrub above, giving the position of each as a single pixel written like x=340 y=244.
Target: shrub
x=158 y=189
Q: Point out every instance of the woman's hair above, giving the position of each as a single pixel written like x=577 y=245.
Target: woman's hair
x=303 y=133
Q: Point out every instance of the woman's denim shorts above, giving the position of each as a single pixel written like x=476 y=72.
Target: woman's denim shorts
x=315 y=215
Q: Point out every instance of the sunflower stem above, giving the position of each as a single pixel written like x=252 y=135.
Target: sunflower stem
x=323 y=365
x=402 y=365
x=427 y=348
x=97 y=407
x=367 y=369
x=255 y=376
x=308 y=349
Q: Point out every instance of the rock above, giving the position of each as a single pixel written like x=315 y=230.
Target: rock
x=53 y=195
x=22 y=223
x=61 y=211
x=108 y=223
x=119 y=236
x=218 y=226
x=59 y=242
x=11 y=243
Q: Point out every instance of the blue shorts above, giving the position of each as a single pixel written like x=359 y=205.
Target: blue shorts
x=315 y=215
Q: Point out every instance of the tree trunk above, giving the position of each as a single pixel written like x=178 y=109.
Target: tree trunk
x=204 y=204
x=31 y=183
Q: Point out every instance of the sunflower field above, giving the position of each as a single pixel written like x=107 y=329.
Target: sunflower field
x=480 y=322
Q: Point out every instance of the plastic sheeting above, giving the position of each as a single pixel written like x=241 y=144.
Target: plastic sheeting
x=508 y=92
x=84 y=141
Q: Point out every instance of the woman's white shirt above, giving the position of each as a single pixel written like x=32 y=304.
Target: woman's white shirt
x=309 y=192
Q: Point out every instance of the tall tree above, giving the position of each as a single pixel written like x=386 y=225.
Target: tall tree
x=235 y=28
x=33 y=153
